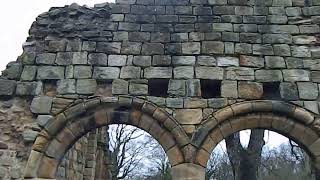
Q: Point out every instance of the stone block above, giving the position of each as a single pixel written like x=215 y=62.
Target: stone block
x=106 y=73
x=279 y=29
x=201 y=10
x=138 y=89
x=161 y=60
x=189 y=116
x=46 y=58
x=212 y=47
x=293 y=75
x=117 y=60
x=64 y=58
x=86 y=86
x=251 y=61
x=265 y=49
x=191 y=48
x=29 y=73
x=183 y=60
x=143 y=61
x=222 y=27
x=289 y=91
x=245 y=28
x=173 y=48
x=80 y=58
x=158 y=72
x=243 y=10
x=229 y=89
x=308 y=90
x=243 y=48
x=277 y=38
x=41 y=105
x=28 y=57
x=29 y=88
x=282 y=3
x=120 y=86
x=282 y=50
x=195 y=103
x=13 y=71
x=217 y=103
x=192 y=171
x=50 y=72
x=130 y=72
x=152 y=49
x=183 y=72
x=7 y=87
x=250 y=90
x=89 y=46
x=66 y=86
x=214 y=73
x=174 y=102
x=293 y=11
x=57 y=46
x=300 y=51
x=183 y=10
x=193 y=88
x=98 y=59
x=139 y=36
x=227 y=61
x=206 y=61
x=177 y=88
x=109 y=47
x=268 y=76
x=160 y=37
x=275 y=62
x=82 y=72
x=240 y=73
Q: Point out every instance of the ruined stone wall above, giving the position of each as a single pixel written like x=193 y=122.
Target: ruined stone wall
x=190 y=57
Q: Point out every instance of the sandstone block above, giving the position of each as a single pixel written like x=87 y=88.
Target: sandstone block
x=120 y=86
x=215 y=73
x=106 y=73
x=66 y=86
x=250 y=90
x=86 y=86
x=189 y=116
x=50 y=72
x=41 y=105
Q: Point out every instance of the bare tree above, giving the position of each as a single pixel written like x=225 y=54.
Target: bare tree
x=127 y=147
x=136 y=155
x=245 y=161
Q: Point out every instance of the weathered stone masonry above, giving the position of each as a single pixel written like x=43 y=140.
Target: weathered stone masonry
x=189 y=72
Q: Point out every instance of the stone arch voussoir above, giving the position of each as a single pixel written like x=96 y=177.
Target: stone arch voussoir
x=66 y=128
x=284 y=118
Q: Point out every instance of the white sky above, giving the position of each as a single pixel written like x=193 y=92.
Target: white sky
x=16 y=17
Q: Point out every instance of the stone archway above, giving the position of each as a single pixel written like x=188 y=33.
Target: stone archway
x=67 y=127
x=286 y=119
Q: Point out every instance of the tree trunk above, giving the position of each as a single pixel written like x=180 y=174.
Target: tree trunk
x=245 y=162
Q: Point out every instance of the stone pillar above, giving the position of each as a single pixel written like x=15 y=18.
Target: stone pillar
x=102 y=171
x=188 y=171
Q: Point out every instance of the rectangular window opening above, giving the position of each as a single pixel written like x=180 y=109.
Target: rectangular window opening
x=271 y=91
x=158 y=87
x=210 y=88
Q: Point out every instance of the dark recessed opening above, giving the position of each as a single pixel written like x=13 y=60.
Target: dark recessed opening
x=50 y=88
x=271 y=91
x=210 y=88
x=158 y=87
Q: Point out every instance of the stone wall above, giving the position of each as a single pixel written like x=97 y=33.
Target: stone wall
x=189 y=57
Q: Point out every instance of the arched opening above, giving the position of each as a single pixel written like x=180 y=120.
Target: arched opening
x=259 y=154
x=67 y=128
x=294 y=122
x=115 y=152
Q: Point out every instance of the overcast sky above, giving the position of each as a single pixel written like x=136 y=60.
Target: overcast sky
x=16 y=17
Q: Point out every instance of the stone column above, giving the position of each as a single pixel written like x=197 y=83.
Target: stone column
x=188 y=171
